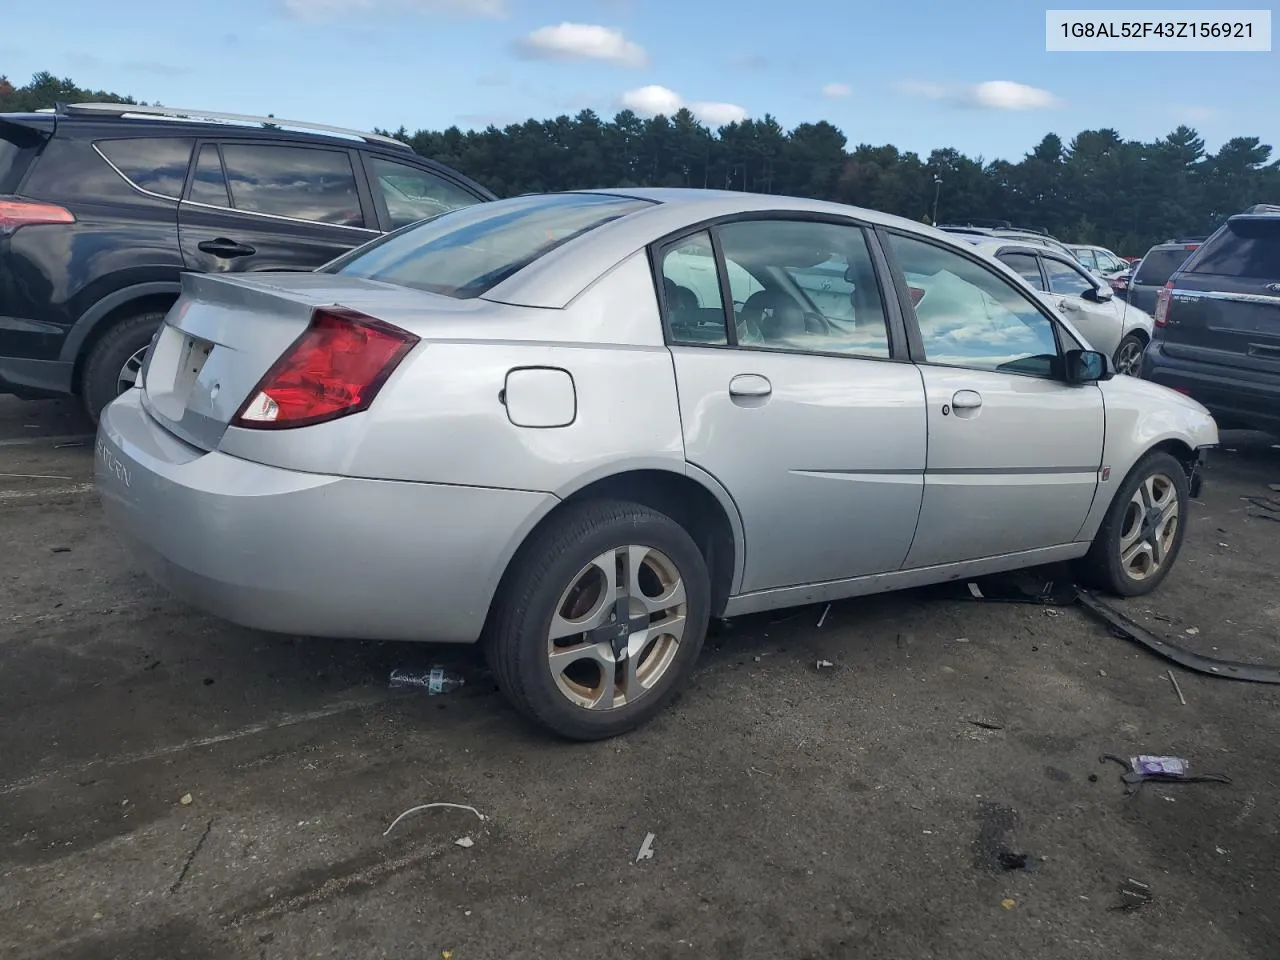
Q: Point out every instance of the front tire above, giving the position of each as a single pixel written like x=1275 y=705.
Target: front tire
x=601 y=620
x=114 y=362
x=1141 y=535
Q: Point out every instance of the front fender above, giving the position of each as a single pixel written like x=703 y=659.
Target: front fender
x=1141 y=416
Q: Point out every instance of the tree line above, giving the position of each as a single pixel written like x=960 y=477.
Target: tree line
x=1095 y=188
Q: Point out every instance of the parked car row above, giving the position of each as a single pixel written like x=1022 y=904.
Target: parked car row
x=104 y=206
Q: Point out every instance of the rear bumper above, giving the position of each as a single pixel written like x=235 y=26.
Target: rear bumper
x=1235 y=396
x=303 y=553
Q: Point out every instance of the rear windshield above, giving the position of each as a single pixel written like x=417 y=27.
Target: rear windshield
x=1247 y=248
x=17 y=146
x=1158 y=265
x=467 y=252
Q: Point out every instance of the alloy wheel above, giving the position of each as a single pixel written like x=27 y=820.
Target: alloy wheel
x=127 y=379
x=1149 y=528
x=617 y=627
x=1128 y=358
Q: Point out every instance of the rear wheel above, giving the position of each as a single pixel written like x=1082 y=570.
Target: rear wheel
x=1128 y=355
x=601 y=621
x=1141 y=535
x=115 y=361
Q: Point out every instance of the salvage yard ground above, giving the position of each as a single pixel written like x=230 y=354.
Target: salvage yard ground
x=851 y=811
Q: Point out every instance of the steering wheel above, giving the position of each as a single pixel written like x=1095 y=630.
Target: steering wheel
x=823 y=324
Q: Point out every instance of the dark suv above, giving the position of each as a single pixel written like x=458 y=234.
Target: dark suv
x=103 y=206
x=1154 y=270
x=1217 y=323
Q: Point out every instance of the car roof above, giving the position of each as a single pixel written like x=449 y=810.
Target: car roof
x=556 y=278
x=990 y=246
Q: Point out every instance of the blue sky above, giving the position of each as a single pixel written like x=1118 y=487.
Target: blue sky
x=916 y=73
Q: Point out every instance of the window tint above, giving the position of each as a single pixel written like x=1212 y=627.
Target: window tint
x=1247 y=248
x=1109 y=262
x=691 y=292
x=414 y=194
x=1158 y=265
x=1065 y=279
x=970 y=317
x=158 y=165
x=18 y=146
x=1086 y=256
x=817 y=289
x=466 y=252
x=1025 y=265
x=209 y=185
x=297 y=182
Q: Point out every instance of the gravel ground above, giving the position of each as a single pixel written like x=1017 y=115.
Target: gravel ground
x=852 y=811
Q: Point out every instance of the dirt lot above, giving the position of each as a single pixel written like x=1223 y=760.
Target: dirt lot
x=852 y=811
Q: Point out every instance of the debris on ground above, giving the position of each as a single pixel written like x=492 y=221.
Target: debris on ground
x=431 y=806
x=434 y=681
x=975 y=591
x=1177 y=689
x=1146 y=768
x=1012 y=861
x=1193 y=631
x=824 y=665
x=187 y=800
x=986 y=724
x=1008 y=903
x=646 y=848
x=823 y=619
x=464 y=842
x=1133 y=894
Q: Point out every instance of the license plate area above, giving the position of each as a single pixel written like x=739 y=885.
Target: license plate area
x=176 y=361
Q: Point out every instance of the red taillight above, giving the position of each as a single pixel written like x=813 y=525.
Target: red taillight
x=1162 y=304
x=916 y=295
x=334 y=369
x=26 y=213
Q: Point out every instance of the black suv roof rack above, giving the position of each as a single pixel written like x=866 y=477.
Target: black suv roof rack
x=208 y=116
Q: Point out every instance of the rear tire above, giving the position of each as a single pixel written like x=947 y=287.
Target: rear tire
x=1135 y=548
x=601 y=620
x=1128 y=355
x=105 y=367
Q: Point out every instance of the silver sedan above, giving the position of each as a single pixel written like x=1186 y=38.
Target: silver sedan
x=577 y=426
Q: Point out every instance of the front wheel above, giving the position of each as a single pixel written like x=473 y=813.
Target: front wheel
x=601 y=621
x=1128 y=355
x=1142 y=533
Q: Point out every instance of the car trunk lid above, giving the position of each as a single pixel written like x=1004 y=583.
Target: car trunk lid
x=225 y=333
x=1224 y=304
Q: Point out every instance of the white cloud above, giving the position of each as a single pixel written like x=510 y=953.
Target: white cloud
x=582 y=41
x=988 y=95
x=653 y=100
x=837 y=90
x=319 y=9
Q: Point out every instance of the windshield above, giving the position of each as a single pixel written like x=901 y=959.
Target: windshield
x=467 y=252
x=1158 y=265
x=1249 y=247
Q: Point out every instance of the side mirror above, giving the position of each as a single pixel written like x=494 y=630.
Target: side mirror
x=1099 y=294
x=1085 y=366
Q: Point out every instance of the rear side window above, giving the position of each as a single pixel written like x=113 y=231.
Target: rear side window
x=467 y=252
x=1026 y=266
x=157 y=165
x=18 y=146
x=414 y=194
x=1247 y=248
x=297 y=182
x=1158 y=265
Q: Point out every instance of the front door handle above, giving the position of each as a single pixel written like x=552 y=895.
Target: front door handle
x=750 y=385
x=966 y=400
x=227 y=249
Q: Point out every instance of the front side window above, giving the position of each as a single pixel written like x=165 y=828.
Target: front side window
x=156 y=164
x=969 y=316
x=298 y=182
x=468 y=251
x=1026 y=266
x=1065 y=279
x=814 y=288
x=414 y=194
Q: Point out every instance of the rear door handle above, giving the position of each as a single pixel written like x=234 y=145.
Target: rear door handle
x=750 y=385
x=966 y=400
x=228 y=249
